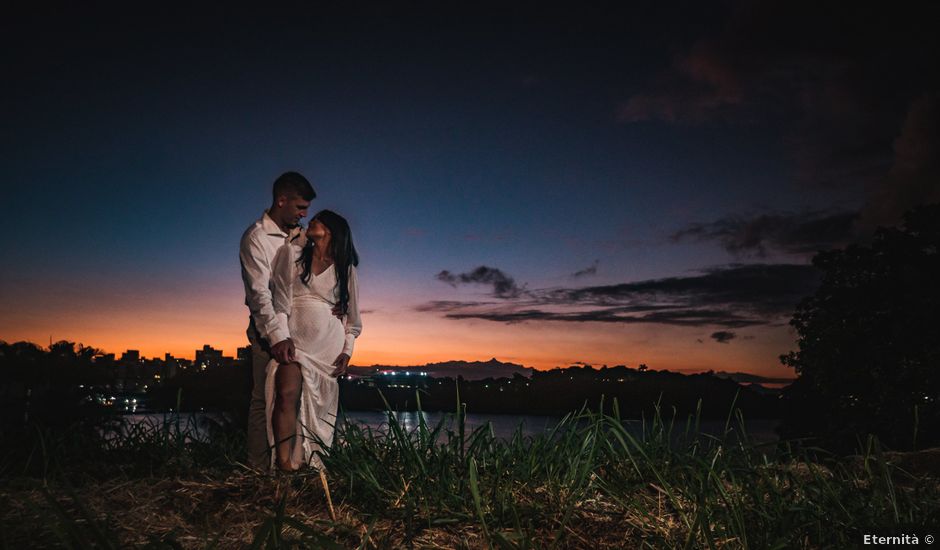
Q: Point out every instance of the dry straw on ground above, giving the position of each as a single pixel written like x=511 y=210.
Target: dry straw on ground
x=227 y=513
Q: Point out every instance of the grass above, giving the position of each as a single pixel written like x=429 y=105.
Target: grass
x=590 y=482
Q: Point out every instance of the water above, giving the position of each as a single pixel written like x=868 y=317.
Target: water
x=503 y=425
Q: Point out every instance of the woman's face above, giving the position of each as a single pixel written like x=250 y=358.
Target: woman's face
x=316 y=230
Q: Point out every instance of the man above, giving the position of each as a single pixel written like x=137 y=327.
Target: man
x=278 y=225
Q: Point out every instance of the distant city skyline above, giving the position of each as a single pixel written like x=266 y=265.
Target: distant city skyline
x=583 y=187
x=492 y=367
x=168 y=367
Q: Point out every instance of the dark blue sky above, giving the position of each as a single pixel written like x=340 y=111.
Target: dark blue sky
x=664 y=144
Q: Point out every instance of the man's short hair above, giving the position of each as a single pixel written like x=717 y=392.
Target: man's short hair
x=292 y=183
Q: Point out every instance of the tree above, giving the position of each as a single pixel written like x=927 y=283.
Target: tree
x=869 y=341
x=41 y=384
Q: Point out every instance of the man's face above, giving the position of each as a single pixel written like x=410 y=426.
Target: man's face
x=293 y=209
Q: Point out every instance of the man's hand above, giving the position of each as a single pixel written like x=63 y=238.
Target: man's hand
x=341 y=364
x=283 y=351
x=338 y=312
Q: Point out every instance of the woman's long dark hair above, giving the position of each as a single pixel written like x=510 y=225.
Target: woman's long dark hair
x=341 y=249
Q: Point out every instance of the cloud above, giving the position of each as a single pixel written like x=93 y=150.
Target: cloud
x=450 y=305
x=691 y=318
x=587 y=271
x=914 y=178
x=723 y=336
x=698 y=86
x=767 y=288
x=733 y=296
x=836 y=99
x=793 y=233
x=503 y=285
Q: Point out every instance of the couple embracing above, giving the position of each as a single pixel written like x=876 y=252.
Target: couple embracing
x=302 y=290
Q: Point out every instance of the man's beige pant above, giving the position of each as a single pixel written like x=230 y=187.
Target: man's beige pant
x=257 y=443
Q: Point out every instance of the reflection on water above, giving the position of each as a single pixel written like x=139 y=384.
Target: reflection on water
x=505 y=425
x=119 y=404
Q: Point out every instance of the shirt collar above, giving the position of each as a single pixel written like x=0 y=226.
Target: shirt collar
x=271 y=228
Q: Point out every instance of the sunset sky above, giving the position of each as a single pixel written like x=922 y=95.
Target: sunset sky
x=607 y=188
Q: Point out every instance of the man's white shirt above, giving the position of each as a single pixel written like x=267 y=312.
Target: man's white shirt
x=259 y=245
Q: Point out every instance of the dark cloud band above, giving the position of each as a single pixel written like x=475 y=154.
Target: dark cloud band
x=723 y=336
x=733 y=296
x=503 y=285
x=794 y=233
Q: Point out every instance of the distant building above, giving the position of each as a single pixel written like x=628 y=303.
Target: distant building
x=208 y=357
x=171 y=366
x=129 y=366
x=243 y=354
x=399 y=378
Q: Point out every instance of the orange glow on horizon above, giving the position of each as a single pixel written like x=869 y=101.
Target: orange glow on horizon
x=418 y=342
x=393 y=334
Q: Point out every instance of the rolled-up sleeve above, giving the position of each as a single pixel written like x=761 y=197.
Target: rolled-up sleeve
x=353 y=321
x=257 y=277
x=282 y=275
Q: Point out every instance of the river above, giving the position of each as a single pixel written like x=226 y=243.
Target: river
x=503 y=425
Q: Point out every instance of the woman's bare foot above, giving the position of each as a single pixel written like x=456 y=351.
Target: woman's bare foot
x=285 y=466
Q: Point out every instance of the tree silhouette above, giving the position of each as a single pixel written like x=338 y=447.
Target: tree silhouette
x=44 y=384
x=869 y=341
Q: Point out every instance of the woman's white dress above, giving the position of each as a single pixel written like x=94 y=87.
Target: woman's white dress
x=319 y=337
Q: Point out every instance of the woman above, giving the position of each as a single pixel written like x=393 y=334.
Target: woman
x=314 y=286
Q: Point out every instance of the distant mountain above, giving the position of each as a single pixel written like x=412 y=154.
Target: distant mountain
x=744 y=377
x=763 y=390
x=478 y=370
x=470 y=370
